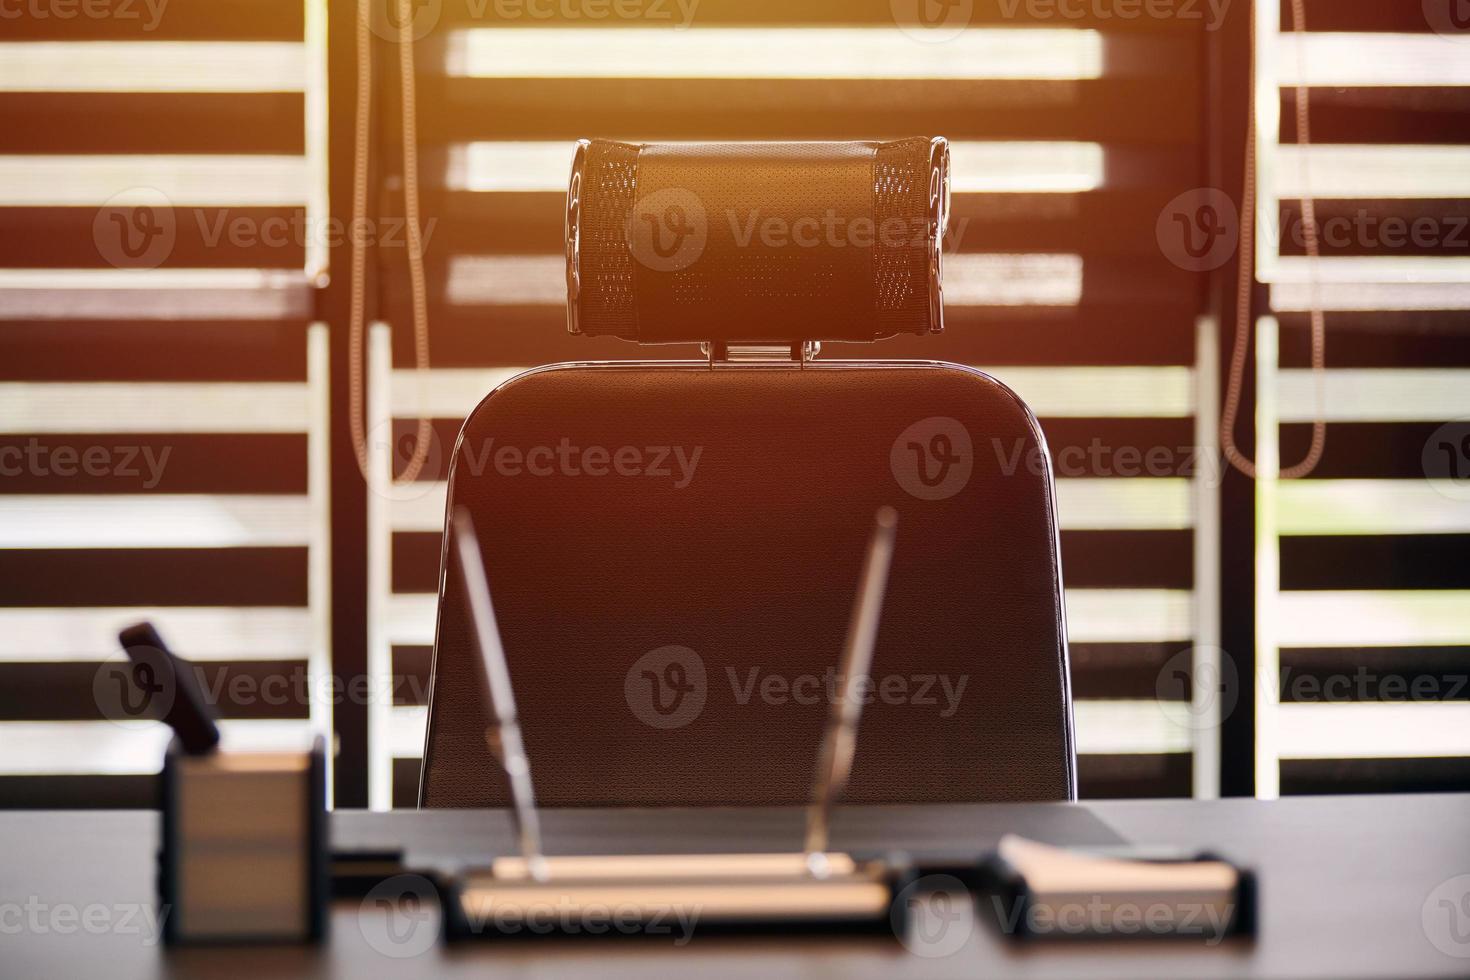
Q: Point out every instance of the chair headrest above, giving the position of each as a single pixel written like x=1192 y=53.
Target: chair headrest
x=756 y=242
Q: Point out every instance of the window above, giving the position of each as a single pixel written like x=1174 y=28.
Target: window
x=1054 y=282
x=163 y=407
x=1363 y=611
x=175 y=381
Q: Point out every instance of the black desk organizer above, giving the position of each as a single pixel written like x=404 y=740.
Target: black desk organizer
x=238 y=903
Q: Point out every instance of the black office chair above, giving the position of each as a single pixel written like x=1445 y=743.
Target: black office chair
x=663 y=537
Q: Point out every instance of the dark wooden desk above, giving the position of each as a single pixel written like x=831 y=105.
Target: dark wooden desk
x=1344 y=884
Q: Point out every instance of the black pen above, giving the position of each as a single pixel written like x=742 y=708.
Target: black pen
x=162 y=675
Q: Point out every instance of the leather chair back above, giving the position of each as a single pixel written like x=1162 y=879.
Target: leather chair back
x=673 y=550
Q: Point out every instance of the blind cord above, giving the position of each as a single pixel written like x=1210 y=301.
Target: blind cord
x=1245 y=274
x=361 y=158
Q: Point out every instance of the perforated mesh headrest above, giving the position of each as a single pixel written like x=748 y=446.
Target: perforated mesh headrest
x=756 y=242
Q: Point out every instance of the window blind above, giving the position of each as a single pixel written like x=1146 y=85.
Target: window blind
x=1364 y=629
x=163 y=403
x=1070 y=138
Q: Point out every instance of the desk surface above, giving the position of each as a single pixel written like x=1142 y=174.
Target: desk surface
x=1350 y=886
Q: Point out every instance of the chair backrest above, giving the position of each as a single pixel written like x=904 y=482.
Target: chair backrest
x=673 y=553
x=673 y=547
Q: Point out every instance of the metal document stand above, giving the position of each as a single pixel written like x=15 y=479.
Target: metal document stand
x=811 y=890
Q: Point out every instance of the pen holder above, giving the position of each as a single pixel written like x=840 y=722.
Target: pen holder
x=244 y=850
